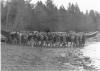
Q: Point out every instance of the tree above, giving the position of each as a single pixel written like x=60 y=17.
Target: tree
x=3 y=13
x=40 y=11
x=25 y=15
x=8 y=13
x=74 y=13
x=52 y=13
x=21 y=15
x=62 y=19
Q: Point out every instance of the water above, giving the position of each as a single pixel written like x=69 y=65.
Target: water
x=93 y=51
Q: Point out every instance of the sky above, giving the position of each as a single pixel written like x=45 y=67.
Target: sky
x=83 y=4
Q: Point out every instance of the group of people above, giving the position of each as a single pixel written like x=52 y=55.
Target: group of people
x=48 y=39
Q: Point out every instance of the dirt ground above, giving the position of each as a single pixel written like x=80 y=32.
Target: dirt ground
x=24 y=58
x=19 y=58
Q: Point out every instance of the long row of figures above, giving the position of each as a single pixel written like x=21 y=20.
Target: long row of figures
x=47 y=39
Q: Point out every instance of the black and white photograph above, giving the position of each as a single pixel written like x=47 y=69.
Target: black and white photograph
x=50 y=35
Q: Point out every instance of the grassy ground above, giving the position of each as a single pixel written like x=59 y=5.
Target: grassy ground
x=24 y=58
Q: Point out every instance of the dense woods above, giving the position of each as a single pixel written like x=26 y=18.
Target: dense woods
x=20 y=15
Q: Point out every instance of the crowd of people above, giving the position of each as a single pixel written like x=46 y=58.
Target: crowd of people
x=47 y=39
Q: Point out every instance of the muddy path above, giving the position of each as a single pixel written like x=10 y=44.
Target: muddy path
x=24 y=58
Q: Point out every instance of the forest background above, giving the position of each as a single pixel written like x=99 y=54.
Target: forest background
x=20 y=15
